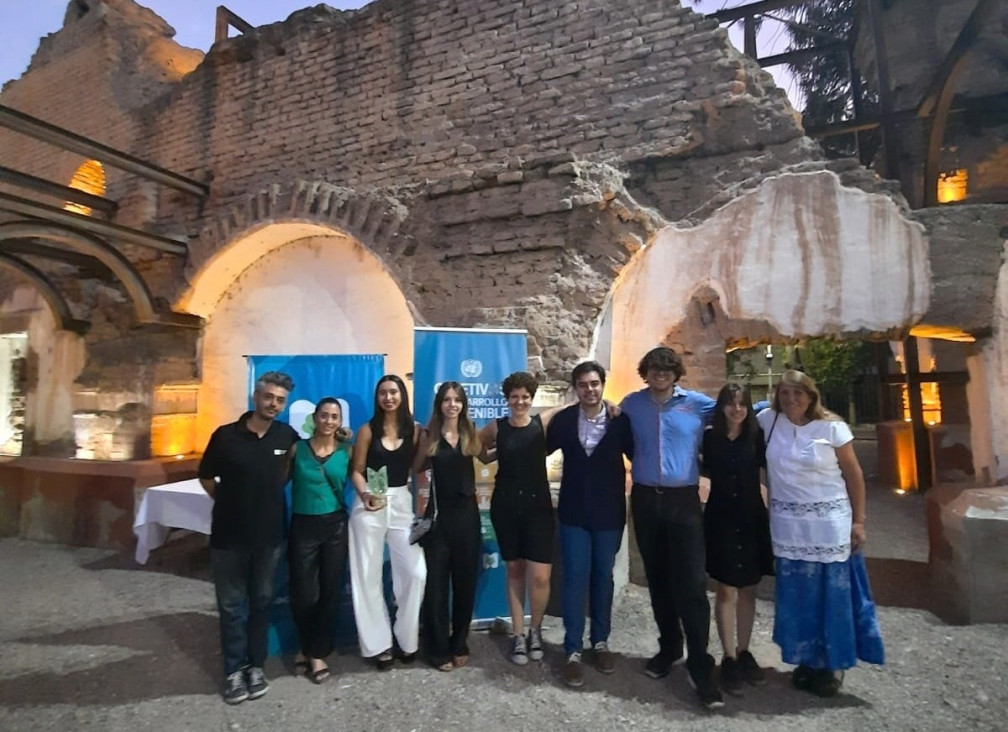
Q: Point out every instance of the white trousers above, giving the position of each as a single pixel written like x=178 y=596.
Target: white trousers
x=369 y=531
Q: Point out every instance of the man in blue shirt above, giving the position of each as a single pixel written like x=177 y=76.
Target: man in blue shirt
x=667 y=423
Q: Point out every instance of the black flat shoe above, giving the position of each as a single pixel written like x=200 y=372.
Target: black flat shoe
x=803 y=678
x=826 y=683
x=407 y=658
x=384 y=661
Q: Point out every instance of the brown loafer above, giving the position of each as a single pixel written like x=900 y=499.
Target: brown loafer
x=605 y=660
x=572 y=675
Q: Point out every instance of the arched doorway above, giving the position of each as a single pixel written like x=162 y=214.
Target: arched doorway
x=290 y=288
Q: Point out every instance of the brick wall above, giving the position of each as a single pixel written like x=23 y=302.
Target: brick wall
x=402 y=91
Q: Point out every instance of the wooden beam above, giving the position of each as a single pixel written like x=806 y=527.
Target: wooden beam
x=56 y=215
x=922 y=448
x=938 y=100
x=63 y=193
x=227 y=19
x=758 y=8
x=801 y=54
x=890 y=140
x=39 y=129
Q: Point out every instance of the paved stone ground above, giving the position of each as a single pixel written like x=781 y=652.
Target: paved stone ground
x=89 y=641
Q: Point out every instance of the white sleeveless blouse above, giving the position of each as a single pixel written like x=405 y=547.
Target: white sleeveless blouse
x=810 y=511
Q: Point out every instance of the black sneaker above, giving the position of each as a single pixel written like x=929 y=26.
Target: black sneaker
x=235 y=691
x=661 y=664
x=701 y=678
x=731 y=675
x=750 y=670
x=256 y=682
x=535 y=647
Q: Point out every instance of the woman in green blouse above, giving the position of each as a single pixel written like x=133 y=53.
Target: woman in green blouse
x=317 y=547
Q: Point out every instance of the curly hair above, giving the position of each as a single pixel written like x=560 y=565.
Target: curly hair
x=519 y=380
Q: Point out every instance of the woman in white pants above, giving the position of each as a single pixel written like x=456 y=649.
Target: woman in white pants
x=382 y=456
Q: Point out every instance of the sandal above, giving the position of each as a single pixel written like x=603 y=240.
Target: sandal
x=384 y=661
x=446 y=666
x=320 y=675
x=460 y=661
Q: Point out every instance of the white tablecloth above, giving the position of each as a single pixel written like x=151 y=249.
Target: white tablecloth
x=183 y=505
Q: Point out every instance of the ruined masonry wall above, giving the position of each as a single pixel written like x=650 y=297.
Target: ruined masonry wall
x=399 y=92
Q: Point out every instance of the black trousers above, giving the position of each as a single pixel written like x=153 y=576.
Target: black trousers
x=668 y=524
x=453 y=558
x=317 y=554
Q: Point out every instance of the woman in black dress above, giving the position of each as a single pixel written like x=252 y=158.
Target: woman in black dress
x=452 y=548
x=737 y=530
x=522 y=511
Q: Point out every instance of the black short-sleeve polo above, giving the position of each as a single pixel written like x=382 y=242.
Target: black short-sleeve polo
x=249 y=504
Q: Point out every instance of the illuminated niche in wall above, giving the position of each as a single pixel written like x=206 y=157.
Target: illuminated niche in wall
x=90 y=178
x=952 y=185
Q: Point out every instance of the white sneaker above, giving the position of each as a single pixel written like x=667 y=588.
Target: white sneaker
x=519 y=655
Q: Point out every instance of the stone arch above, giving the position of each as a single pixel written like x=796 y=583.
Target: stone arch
x=369 y=218
x=116 y=262
x=799 y=255
x=57 y=303
x=292 y=288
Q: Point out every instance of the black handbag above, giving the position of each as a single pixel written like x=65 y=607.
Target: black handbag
x=423 y=526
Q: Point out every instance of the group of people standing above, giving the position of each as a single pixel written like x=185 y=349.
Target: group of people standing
x=812 y=532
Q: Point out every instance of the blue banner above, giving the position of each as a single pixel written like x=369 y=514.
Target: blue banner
x=351 y=379
x=479 y=360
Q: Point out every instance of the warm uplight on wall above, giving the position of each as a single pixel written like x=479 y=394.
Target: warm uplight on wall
x=90 y=178
x=173 y=435
x=952 y=185
x=173 y=426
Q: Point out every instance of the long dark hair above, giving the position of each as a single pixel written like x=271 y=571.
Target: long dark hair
x=469 y=441
x=727 y=396
x=404 y=417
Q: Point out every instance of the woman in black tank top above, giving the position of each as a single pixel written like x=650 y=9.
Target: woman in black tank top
x=380 y=468
x=521 y=511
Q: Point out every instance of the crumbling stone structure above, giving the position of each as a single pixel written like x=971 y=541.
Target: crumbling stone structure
x=607 y=175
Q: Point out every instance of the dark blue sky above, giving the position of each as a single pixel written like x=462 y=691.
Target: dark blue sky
x=24 y=22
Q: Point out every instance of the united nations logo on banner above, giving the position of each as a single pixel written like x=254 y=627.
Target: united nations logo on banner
x=471 y=368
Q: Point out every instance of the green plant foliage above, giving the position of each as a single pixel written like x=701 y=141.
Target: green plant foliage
x=833 y=363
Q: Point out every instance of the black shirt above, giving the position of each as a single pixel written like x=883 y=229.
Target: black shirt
x=521 y=461
x=398 y=461
x=249 y=502
x=454 y=473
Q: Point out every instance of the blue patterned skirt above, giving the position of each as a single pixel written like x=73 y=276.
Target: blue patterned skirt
x=825 y=615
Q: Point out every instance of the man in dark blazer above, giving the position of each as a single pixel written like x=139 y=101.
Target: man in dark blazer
x=592 y=513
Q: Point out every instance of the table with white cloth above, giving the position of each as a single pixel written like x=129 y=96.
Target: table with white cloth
x=182 y=505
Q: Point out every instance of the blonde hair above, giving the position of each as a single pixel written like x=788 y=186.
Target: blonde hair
x=469 y=440
x=806 y=384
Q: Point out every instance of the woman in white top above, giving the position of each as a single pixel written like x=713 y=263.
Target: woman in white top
x=825 y=616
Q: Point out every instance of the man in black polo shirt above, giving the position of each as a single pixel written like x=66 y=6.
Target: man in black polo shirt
x=244 y=470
